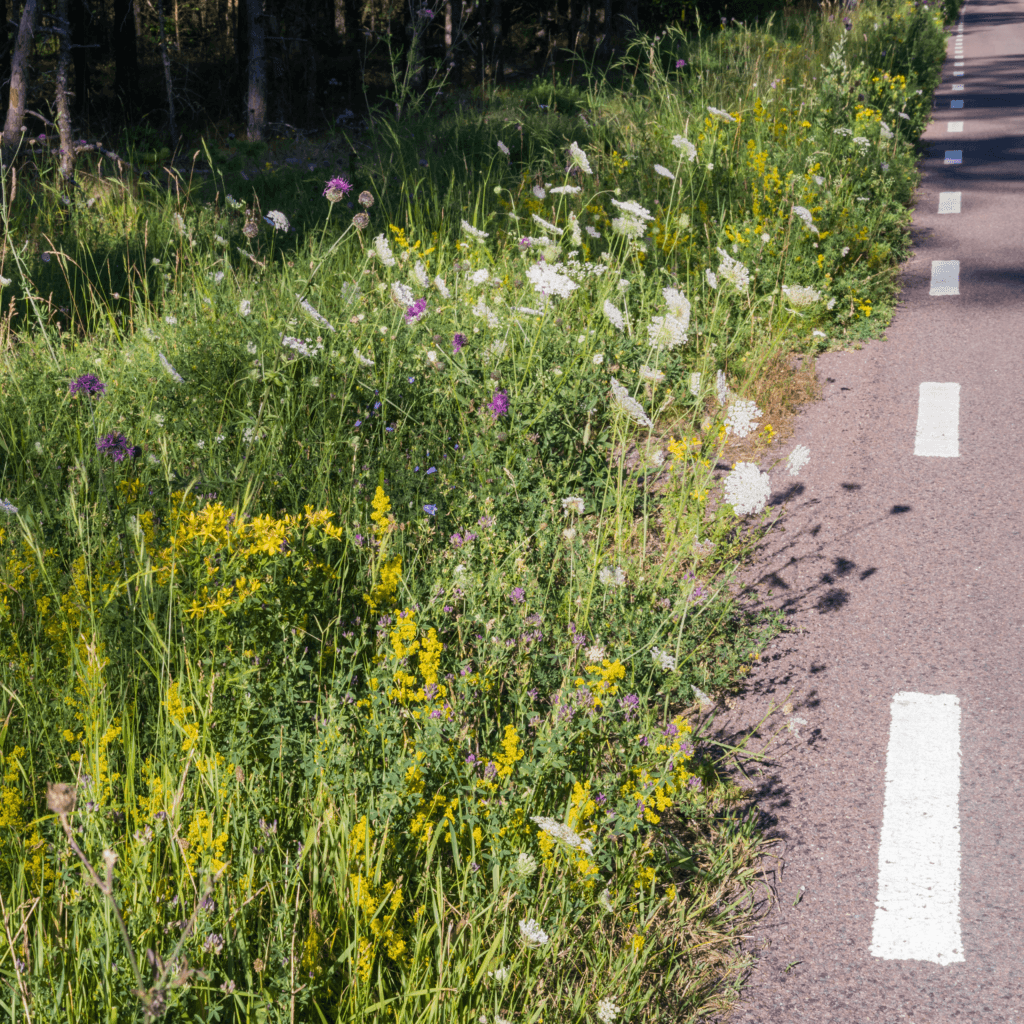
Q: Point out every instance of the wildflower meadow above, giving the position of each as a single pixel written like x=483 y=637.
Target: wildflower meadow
x=368 y=532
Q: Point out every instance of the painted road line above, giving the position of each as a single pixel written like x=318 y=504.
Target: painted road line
x=945 y=277
x=954 y=156
x=917 y=915
x=955 y=126
x=959 y=87
x=958 y=74
x=956 y=104
x=938 y=421
x=949 y=202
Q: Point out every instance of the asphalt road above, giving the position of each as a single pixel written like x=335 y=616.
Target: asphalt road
x=897 y=790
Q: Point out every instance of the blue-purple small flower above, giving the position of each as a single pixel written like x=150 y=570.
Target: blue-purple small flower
x=457 y=343
x=116 y=446
x=680 y=64
x=87 y=384
x=518 y=595
x=431 y=510
x=416 y=312
x=498 y=404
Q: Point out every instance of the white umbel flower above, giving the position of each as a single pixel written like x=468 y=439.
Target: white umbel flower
x=383 y=251
x=563 y=834
x=740 y=419
x=711 y=277
x=629 y=405
x=578 y=158
x=474 y=232
x=311 y=310
x=798 y=458
x=722 y=387
x=723 y=114
x=573 y=504
x=747 y=489
x=612 y=577
x=663 y=660
x=480 y=276
x=547 y=225
x=694 y=383
x=547 y=281
x=524 y=865
x=441 y=286
x=420 y=273
x=607 y=1010
x=565 y=190
x=402 y=294
x=667 y=332
x=627 y=226
x=733 y=271
x=618 y=321
x=604 y=901
x=361 y=359
x=648 y=373
x=801 y=295
x=532 y=934
x=687 y=148
x=677 y=302
x=504 y=149
x=244 y=307
x=171 y=371
x=805 y=215
x=634 y=210
x=664 y=172
x=278 y=220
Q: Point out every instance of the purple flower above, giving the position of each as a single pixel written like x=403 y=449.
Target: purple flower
x=631 y=701
x=457 y=342
x=431 y=510
x=456 y=540
x=471 y=759
x=87 y=384
x=498 y=404
x=680 y=64
x=433 y=469
x=337 y=188
x=416 y=312
x=41 y=138
x=427 y=13
x=117 y=447
x=491 y=770
x=358 y=423
x=518 y=595
x=45 y=257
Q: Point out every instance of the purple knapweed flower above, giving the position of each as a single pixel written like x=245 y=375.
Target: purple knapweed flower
x=336 y=189
x=87 y=384
x=518 y=595
x=458 y=341
x=416 y=312
x=680 y=64
x=498 y=404
x=117 y=447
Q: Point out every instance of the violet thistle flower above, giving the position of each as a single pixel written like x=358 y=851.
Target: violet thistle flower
x=458 y=341
x=336 y=189
x=87 y=384
x=498 y=404
x=116 y=446
x=416 y=312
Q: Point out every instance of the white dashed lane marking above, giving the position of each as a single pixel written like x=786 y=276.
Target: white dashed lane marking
x=917 y=915
x=959 y=87
x=958 y=74
x=955 y=126
x=949 y=202
x=954 y=156
x=945 y=277
x=938 y=421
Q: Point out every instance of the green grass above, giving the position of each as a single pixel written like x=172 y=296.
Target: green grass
x=318 y=648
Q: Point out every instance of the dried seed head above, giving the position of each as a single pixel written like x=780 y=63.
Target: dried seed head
x=60 y=797
x=361 y=221
x=365 y=199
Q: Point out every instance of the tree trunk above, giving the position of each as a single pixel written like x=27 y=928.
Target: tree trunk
x=80 y=55
x=14 y=123
x=256 y=97
x=126 y=56
x=67 y=139
x=172 y=123
x=5 y=55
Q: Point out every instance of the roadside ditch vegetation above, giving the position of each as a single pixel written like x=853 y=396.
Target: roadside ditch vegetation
x=367 y=539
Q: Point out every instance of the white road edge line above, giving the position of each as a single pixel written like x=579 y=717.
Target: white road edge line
x=917 y=915
x=949 y=202
x=945 y=277
x=938 y=421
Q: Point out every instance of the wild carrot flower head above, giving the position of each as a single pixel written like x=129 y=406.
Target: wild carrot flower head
x=87 y=384
x=337 y=188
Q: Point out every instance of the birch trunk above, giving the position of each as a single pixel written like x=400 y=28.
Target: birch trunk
x=67 y=141
x=256 y=102
x=172 y=123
